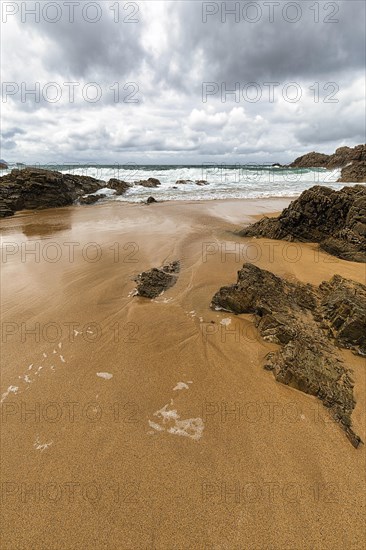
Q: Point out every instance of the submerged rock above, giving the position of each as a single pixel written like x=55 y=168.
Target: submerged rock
x=334 y=219
x=151 y=284
x=35 y=188
x=303 y=320
x=150 y=182
x=201 y=182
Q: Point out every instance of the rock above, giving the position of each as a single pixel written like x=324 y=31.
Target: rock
x=201 y=182
x=311 y=160
x=91 y=199
x=151 y=284
x=277 y=165
x=3 y=165
x=183 y=182
x=351 y=160
x=118 y=185
x=354 y=173
x=35 y=188
x=334 y=219
x=151 y=200
x=151 y=182
x=346 y=155
x=292 y=315
x=343 y=308
x=174 y=187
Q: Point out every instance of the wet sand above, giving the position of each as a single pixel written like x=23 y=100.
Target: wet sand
x=88 y=461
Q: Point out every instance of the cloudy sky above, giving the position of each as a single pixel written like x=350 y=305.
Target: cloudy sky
x=180 y=81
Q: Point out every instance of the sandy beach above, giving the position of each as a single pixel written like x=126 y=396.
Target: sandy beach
x=130 y=424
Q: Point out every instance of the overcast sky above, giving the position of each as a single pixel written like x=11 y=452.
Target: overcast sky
x=149 y=81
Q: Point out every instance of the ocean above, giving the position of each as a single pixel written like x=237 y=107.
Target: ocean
x=223 y=181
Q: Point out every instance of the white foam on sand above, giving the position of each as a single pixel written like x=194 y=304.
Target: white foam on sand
x=11 y=389
x=182 y=386
x=188 y=427
x=41 y=446
x=105 y=375
x=225 y=321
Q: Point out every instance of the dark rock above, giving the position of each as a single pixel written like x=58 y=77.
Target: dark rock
x=151 y=200
x=151 y=284
x=91 y=199
x=183 y=182
x=292 y=315
x=342 y=156
x=201 y=182
x=34 y=188
x=311 y=160
x=3 y=165
x=334 y=219
x=351 y=160
x=343 y=307
x=354 y=173
x=118 y=185
x=150 y=182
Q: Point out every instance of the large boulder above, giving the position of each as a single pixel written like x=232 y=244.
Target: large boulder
x=335 y=219
x=35 y=188
x=307 y=322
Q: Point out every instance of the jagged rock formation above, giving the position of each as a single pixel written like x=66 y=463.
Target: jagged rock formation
x=151 y=284
x=355 y=172
x=334 y=219
x=305 y=320
x=34 y=188
x=351 y=160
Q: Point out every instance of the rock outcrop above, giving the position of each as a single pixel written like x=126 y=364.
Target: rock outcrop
x=119 y=186
x=35 y=188
x=3 y=164
x=354 y=173
x=307 y=322
x=151 y=284
x=150 y=182
x=91 y=199
x=334 y=219
x=352 y=160
x=311 y=160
